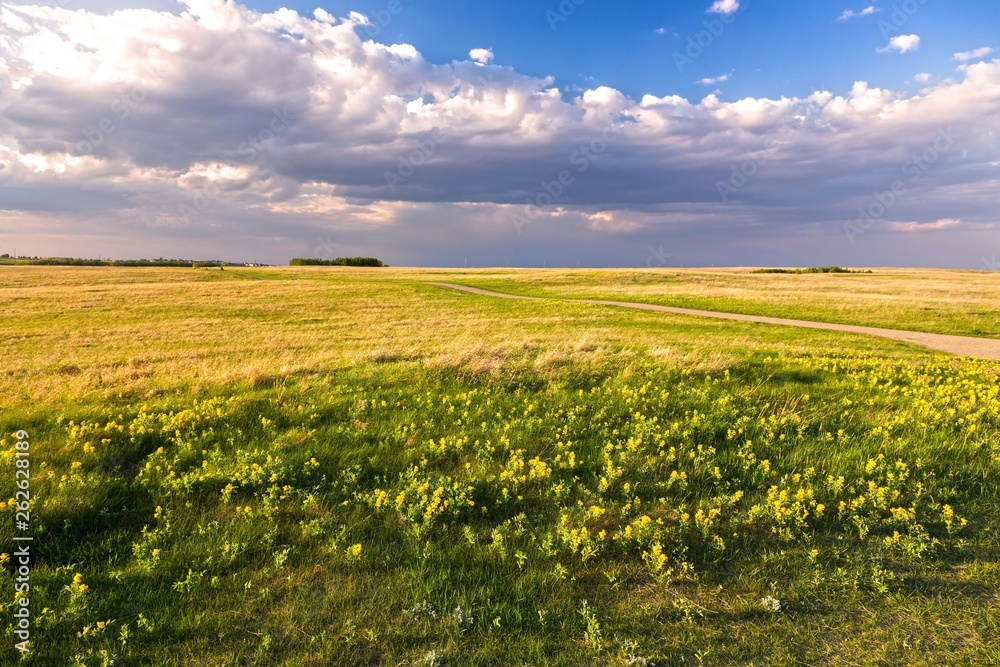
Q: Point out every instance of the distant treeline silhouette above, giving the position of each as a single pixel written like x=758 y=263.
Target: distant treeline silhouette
x=814 y=269
x=76 y=261
x=337 y=261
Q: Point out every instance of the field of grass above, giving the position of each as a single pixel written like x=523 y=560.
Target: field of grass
x=964 y=303
x=329 y=466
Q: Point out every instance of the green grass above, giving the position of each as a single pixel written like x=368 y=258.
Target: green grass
x=351 y=467
x=929 y=300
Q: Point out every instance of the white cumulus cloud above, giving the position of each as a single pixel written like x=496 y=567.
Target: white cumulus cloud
x=902 y=44
x=708 y=81
x=481 y=56
x=966 y=56
x=850 y=13
x=724 y=6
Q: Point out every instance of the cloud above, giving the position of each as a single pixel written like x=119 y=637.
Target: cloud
x=481 y=56
x=714 y=79
x=977 y=54
x=724 y=6
x=923 y=77
x=257 y=133
x=902 y=44
x=850 y=13
x=934 y=226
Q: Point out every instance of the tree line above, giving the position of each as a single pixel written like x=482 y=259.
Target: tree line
x=76 y=261
x=338 y=261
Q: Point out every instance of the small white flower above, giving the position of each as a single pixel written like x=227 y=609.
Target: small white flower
x=462 y=618
x=424 y=609
x=433 y=659
x=771 y=604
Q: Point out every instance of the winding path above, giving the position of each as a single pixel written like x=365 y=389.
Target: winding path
x=966 y=346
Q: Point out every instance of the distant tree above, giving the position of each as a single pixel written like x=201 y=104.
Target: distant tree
x=814 y=269
x=338 y=261
x=75 y=261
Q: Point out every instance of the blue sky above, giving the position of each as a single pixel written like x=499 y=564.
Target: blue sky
x=436 y=131
x=768 y=48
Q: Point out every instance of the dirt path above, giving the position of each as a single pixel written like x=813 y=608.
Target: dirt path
x=966 y=346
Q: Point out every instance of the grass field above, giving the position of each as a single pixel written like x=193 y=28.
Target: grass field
x=329 y=466
x=934 y=301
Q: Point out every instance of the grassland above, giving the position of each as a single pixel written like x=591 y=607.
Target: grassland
x=934 y=301
x=321 y=466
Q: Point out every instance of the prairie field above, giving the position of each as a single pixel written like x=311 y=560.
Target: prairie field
x=963 y=303
x=333 y=466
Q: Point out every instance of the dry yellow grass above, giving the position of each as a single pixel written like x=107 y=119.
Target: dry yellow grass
x=930 y=300
x=77 y=331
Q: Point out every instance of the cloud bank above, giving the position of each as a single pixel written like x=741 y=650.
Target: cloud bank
x=232 y=130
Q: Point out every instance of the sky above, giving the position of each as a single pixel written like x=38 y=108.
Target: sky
x=518 y=133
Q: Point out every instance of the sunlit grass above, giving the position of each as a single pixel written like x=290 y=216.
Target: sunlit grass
x=351 y=467
x=929 y=300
